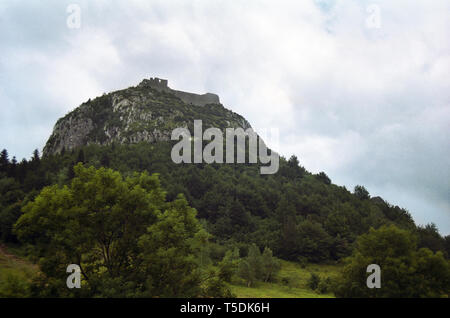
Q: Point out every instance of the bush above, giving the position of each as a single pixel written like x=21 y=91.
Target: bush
x=324 y=286
x=215 y=287
x=14 y=286
x=314 y=281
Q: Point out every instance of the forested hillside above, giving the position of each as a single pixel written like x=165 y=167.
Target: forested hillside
x=296 y=215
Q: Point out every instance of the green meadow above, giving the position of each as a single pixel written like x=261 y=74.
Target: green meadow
x=291 y=282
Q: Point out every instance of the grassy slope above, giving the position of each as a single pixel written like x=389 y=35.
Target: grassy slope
x=14 y=273
x=297 y=286
x=12 y=264
x=297 y=276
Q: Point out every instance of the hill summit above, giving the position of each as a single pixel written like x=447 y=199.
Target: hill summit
x=147 y=112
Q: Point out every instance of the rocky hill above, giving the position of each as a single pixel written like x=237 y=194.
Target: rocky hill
x=147 y=112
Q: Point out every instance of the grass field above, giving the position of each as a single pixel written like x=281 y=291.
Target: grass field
x=270 y=290
x=292 y=282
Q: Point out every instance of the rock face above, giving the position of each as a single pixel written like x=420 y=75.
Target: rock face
x=145 y=113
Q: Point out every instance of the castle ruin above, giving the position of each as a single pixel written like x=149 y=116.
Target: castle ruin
x=188 y=98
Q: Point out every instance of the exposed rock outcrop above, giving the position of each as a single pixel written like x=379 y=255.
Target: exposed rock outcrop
x=145 y=113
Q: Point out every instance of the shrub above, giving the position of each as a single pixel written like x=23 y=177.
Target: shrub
x=314 y=281
x=324 y=286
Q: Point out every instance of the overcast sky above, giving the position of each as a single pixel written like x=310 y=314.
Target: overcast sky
x=358 y=89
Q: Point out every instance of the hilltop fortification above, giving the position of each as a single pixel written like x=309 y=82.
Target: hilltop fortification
x=188 y=98
x=147 y=112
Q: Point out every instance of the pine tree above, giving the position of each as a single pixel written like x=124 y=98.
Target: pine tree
x=36 y=157
x=13 y=168
x=4 y=161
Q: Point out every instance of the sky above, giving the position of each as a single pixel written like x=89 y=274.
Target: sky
x=357 y=89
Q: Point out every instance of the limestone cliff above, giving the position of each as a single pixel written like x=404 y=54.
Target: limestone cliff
x=147 y=112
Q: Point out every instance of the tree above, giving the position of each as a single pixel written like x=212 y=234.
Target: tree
x=286 y=216
x=270 y=265
x=10 y=205
x=447 y=245
x=405 y=271
x=246 y=272
x=254 y=261
x=429 y=237
x=293 y=162
x=97 y=222
x=313 y=281
x=35 y=157
x=292 y=169
x=257 y=266
x=13 y=168
x=322 y=176
x=229 y=264
x=361 y=192
x=4 y=161
x=313 y=242
x=168 y=254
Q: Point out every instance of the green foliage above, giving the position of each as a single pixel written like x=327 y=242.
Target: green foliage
x=4 y=161
x=126 y=238
x=246 y=272
x=361 y=192
x=314 y=281
x=313 y=242
x=325 y=285
x=405 y=270
x=293 y=213
x=323 y=178
x=14 y=286
x=16 y=275
x=447 y=245
x=167 y=254
x=429 y=237
x=238 y=203
x=258 y=267
x=229 y=264
x=215 y=287
x=270 y=265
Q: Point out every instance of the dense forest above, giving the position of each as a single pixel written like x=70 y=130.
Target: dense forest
x=204 y=223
